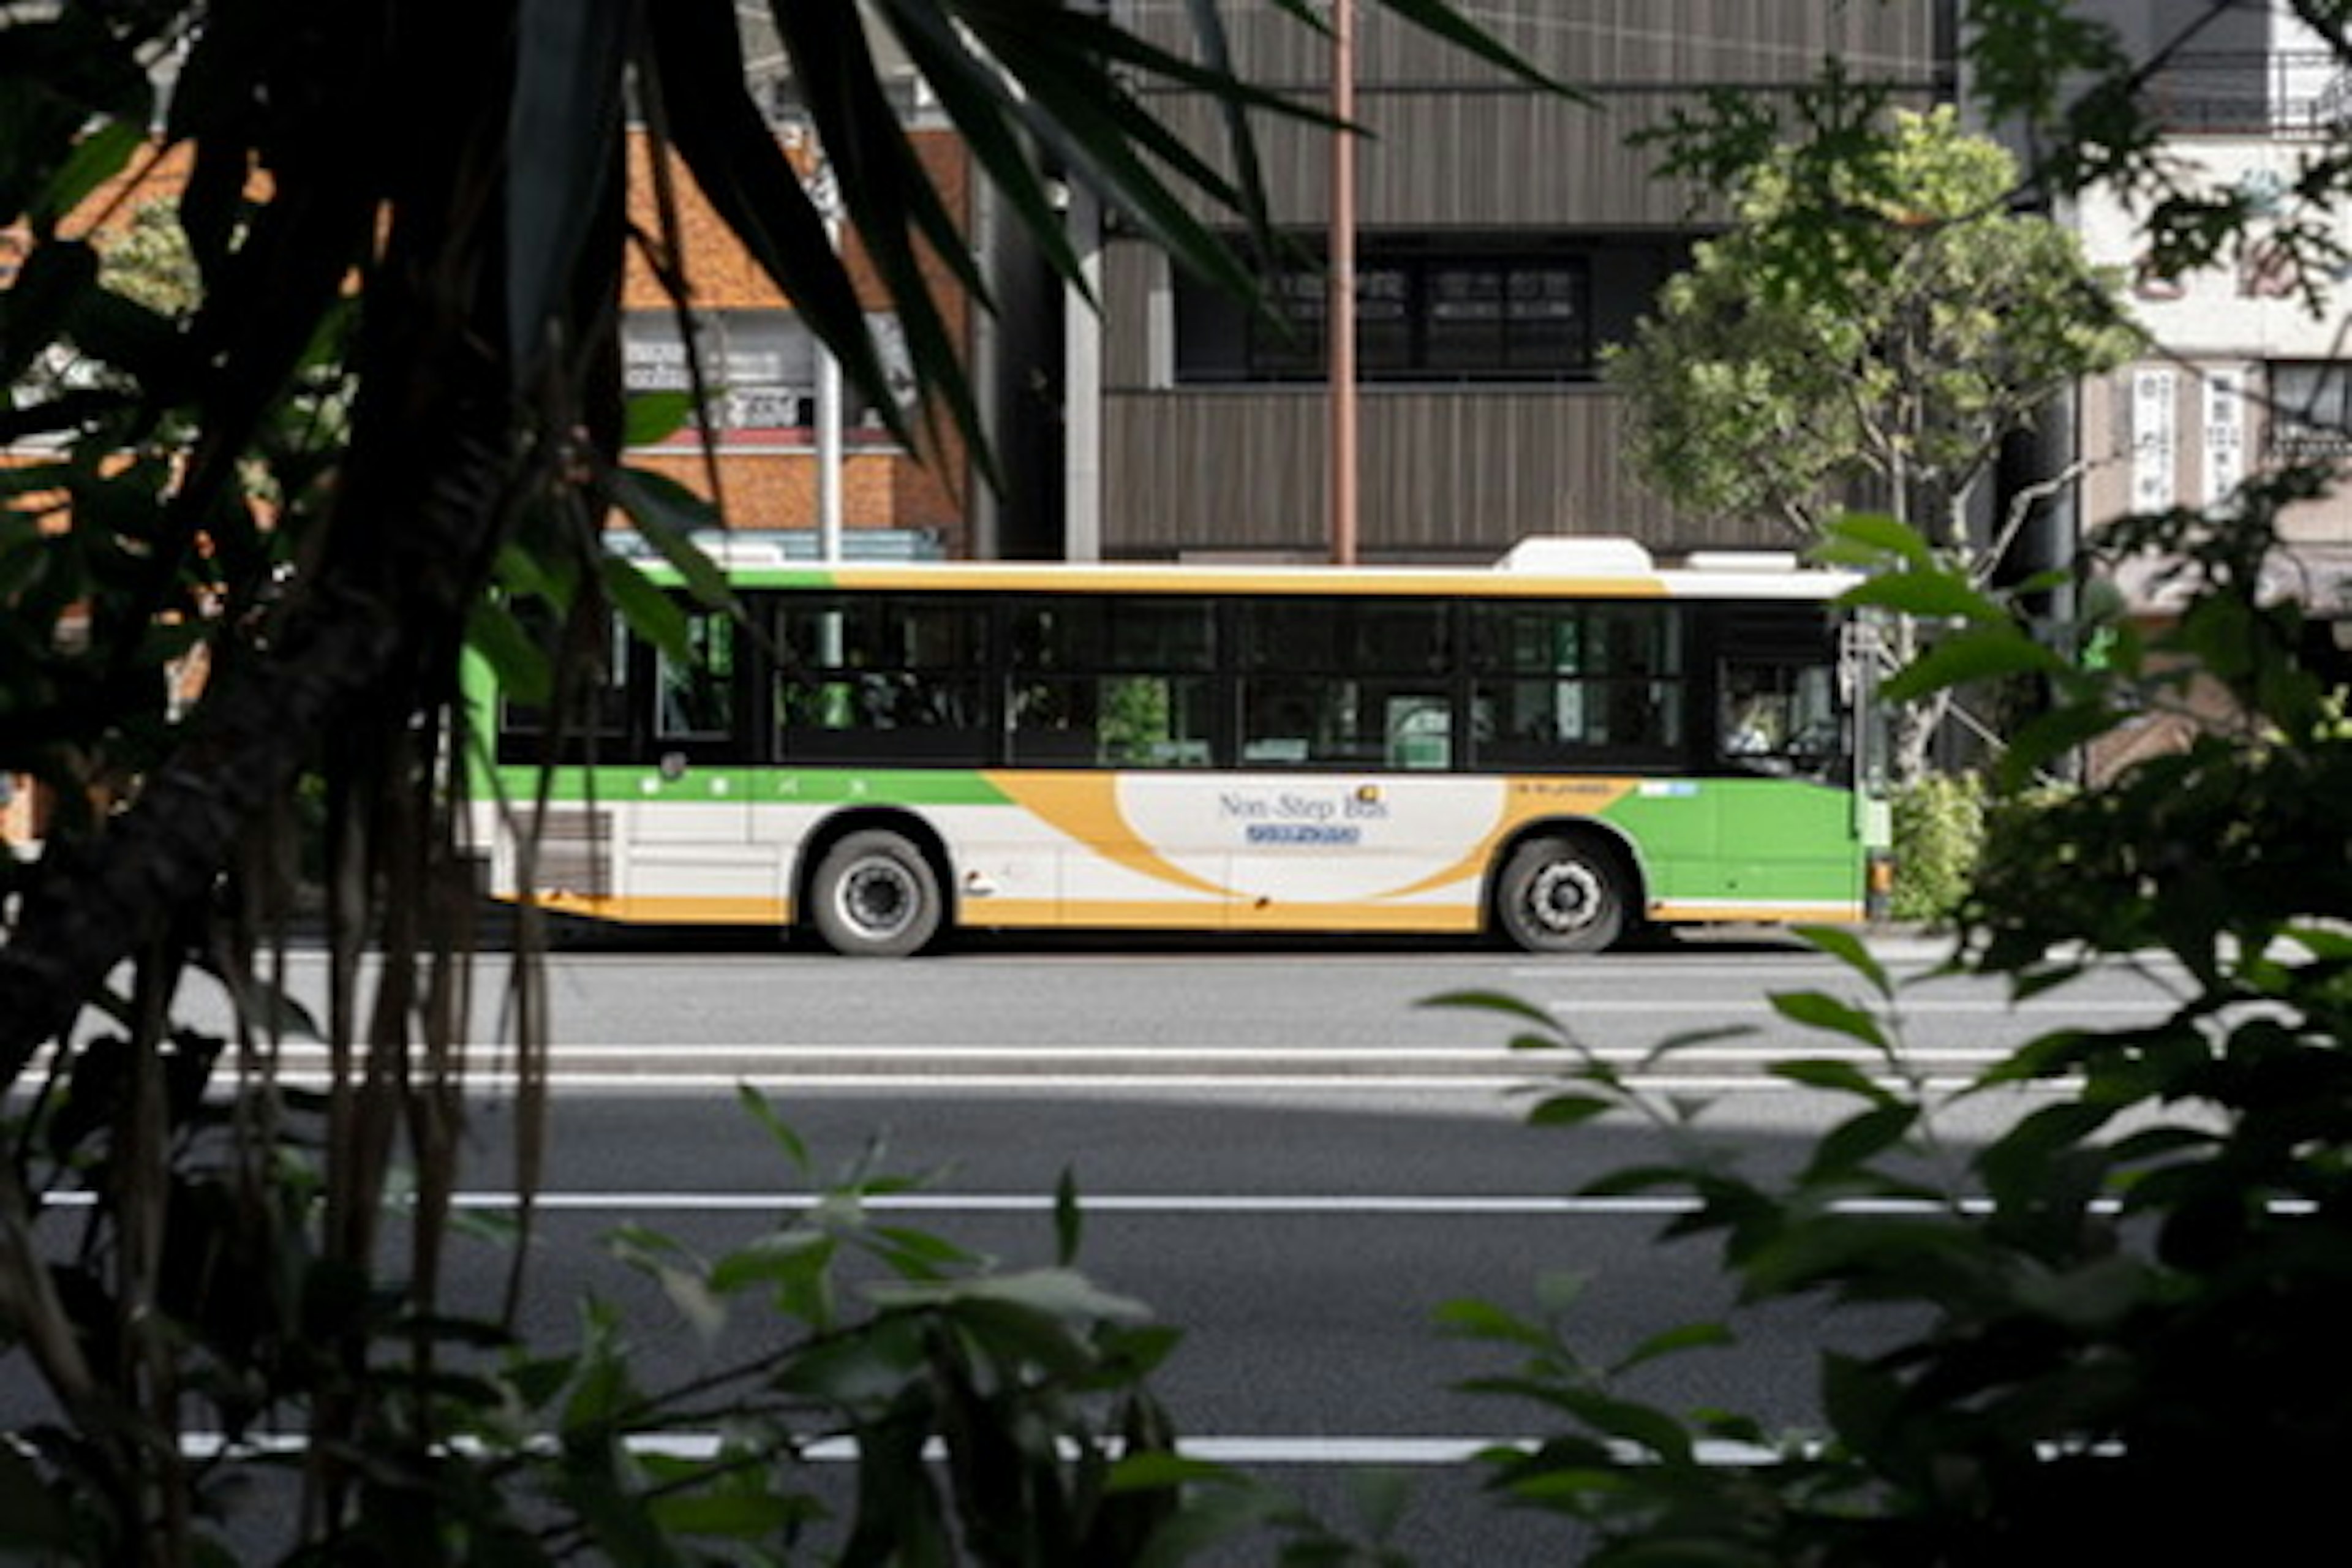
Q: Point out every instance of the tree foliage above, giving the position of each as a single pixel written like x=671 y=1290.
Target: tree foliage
x=2115 y=1329
x=1877 y=324
x=2128 y=1302
x=391 y=410
x=1799 y=363
x=413 y=211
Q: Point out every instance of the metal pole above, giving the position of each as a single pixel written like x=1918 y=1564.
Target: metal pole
x=825 y=196
x=828 y=439
x=1339 y=323
x=1082 y=361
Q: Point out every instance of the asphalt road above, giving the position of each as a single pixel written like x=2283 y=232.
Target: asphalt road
x=1283 y=1152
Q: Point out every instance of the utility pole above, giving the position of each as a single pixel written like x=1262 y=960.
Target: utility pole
x=825 y=194
x=1340 y=313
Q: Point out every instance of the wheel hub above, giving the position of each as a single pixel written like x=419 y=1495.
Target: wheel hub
x=1565 y=897
x=878 y=897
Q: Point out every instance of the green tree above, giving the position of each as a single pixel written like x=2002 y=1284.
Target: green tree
x=2128 y=1302
x=2138 y=1293
x=1799 y=364
x=2090 y=1331
x=1775 y=380
x=422 y=200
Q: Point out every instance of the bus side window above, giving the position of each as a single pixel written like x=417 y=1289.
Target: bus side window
x=1052 y=722
x=1098 y=682
x=599 y=693
x=1112 y=720
x=1420 y=732
x=694 y=699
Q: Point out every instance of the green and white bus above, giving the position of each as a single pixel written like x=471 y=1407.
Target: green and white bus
x=1558 y=749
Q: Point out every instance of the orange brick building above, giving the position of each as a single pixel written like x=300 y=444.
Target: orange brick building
x=762 y=365
x=758 y=363
x=757 y=360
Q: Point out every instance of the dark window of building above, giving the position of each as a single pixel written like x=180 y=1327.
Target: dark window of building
x=2310 y=415
x=1513 y=311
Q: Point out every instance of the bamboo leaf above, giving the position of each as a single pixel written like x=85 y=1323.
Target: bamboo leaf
x=652 y=417
x=1469 y=1318
x=1989 y=653
x=1677 y=1341
x=888 y=198
x=743 y=173
x=97 y=158
x=779 y=1131
x=1848 y=949
x=1859 y=1139
x=1819 y=1010
x=520 y=665
x=667 y=515
x=650 y=613
x=1927 y=593
x=1571 y=1109
x=1829 y=1073
x=1500 y=1001
x=564 y=143
x=1868 y=539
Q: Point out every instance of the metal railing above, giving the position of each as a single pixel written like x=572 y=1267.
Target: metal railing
x=2283 y=94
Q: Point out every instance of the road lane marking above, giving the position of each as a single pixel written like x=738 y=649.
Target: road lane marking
x=1231 y=1083
x=1318 y=1450
x=1494 y=1055
x=1321 y=1204
x=2151 y=1007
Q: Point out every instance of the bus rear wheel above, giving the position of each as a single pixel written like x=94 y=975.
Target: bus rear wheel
x=1566 y=894
x=876 y=896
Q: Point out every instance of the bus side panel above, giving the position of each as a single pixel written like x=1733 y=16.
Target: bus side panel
x=633 y=844
x=1258 y=851
x=1076 y=848
x=1745 y=849
x=689 y=854
x=1360 y=853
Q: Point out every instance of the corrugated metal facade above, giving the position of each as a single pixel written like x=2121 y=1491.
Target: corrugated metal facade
x=1458 y=153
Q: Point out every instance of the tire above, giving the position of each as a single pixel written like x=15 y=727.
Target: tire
x=876 y=896
x=1563 y=895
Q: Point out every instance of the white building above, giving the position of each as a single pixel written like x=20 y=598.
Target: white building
x=2243 y=370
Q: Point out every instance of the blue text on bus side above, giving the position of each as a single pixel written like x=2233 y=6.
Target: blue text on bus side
x=1303 y=832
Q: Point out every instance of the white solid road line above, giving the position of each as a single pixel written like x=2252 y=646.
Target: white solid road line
x=1499 y=1205
x=1242 y=1084
x=1264 y=1451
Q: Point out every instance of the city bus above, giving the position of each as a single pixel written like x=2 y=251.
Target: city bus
x=1560 y=751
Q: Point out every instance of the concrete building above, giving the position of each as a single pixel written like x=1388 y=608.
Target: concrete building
x=1505 y=237
x=2243 y=370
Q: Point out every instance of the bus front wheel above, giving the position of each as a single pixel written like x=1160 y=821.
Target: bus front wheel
x=875 y=896
x=1562 y=895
